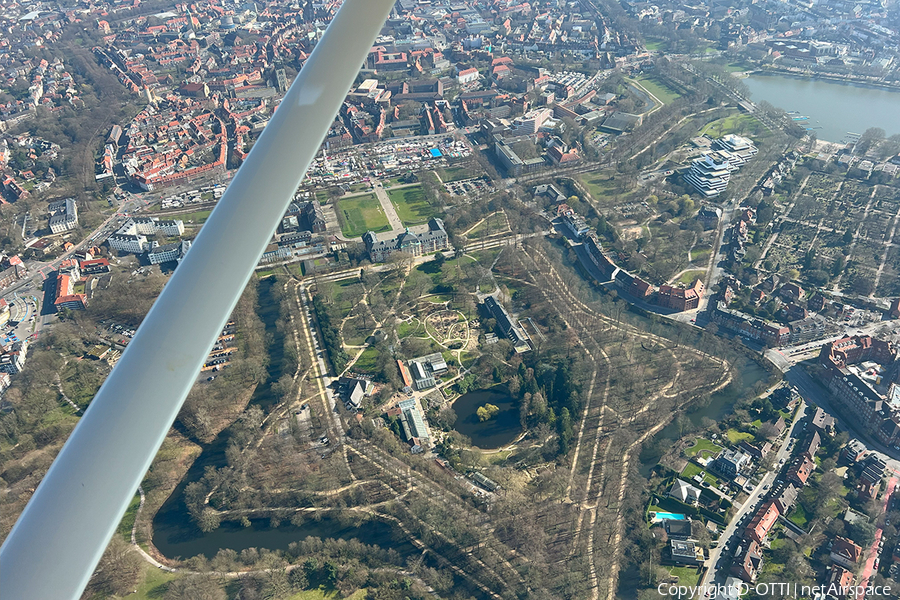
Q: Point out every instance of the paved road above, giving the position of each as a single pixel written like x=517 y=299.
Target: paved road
x=735 y=528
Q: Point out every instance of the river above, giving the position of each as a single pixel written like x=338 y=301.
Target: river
x=833 y=108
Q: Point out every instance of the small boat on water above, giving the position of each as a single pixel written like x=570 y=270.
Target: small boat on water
x=800 y=118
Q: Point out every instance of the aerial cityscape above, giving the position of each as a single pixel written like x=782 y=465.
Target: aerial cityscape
x=579 y=299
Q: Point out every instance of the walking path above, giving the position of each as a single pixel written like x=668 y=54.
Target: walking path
x=389 y=211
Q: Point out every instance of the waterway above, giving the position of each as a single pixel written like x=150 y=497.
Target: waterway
x=749 y=373
x=177 y=542
x=496 y=432
x=175 y=535
x=833 y=108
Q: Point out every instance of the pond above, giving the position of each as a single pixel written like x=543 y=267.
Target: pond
x=496 y=432
x=174 y=540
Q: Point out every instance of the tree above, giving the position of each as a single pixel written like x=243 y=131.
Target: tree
x=198 y=587
x=209 y=520
x=118 y=570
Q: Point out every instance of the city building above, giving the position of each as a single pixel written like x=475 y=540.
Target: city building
x=432 y=239
x=63 y=215
x=66 y=296
x=730 y=462
x=425 y=370
x=513 y=332
x=168 y=252
x=709 y=175
x=680 y=299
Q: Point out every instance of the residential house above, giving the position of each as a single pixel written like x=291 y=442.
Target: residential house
x=747 y=560
x=800 y=470
x=730 y=462
x=684 y=552
x=762 y=522
x=845 y=553
x=685 y=492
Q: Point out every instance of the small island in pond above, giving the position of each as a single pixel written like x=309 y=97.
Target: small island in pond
x=487 y=412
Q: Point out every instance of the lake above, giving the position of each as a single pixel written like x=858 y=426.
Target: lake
x=833 y=108
x=496 y=432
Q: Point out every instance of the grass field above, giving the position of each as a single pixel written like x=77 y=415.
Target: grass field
x=688 y=277
x=412 y=208
x=494 y=224
x=599 y=184
x=666 y=94
x=700 y=254
x=653 y=46
x=368 y=361
x=322 y=594
x=128 y=520
x=360 y=214
x=154 y=584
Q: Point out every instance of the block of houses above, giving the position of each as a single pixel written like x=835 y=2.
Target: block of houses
x=822 y=421
x=757 y=452
x=784 y=497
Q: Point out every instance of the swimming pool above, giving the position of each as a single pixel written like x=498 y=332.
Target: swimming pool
x=661 y=516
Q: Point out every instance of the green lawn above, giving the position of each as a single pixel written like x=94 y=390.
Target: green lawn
x=193 y=217
x=699 y=255
x=690 y=470
x=654 y=46
x=737 y=123
x=736 y=437
x=128 y=520
x=322 y=594
x=154 y=584
x=703 y=445
x=688 y=277
x=686 y=575
x=368 y=361
x=360 y=214
x=412 y=208
x=656 y=87
x=798 y=516
x=410 y=328
x=494 y=224
x=460 y=173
